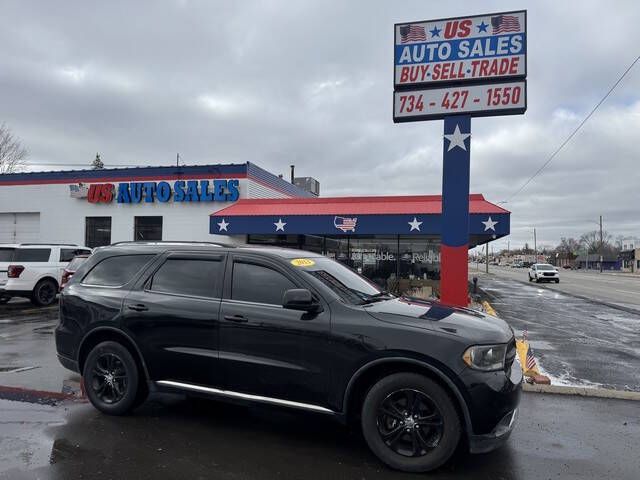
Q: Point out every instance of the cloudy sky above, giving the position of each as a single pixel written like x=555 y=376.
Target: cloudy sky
x=310 y=83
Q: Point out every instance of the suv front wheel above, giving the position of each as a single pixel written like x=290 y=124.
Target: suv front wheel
x=111 y=378
x=410 y=422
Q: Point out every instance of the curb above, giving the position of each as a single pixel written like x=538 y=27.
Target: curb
x=582 y=391
x=42 y=397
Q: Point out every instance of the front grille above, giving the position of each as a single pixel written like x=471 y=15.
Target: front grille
x=549 y=274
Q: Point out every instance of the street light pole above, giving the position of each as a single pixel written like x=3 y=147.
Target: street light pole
x=601 y=245
x=535 y=246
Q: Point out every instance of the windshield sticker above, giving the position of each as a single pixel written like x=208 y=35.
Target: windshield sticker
x=302 y=262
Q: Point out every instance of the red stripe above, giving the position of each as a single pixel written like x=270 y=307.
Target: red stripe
x=454 y=275
x=135 y=178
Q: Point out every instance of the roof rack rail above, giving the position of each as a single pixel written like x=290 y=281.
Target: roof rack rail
x=52 y=244
x=170 y=242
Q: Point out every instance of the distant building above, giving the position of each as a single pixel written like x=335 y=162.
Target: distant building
x=630 y=260
x=629 y=243
x=592 y=262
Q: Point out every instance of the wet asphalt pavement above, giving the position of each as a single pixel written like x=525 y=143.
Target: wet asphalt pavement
x=174 y=437
x=171 y=437
x=576 y=341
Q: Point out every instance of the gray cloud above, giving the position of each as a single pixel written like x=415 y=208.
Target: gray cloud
x=310 y=83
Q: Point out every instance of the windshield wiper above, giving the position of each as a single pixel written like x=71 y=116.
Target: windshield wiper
x=378 y=297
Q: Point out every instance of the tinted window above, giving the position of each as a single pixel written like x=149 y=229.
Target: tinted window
x=75 y=263
x=67 y=254
x=97 y=231
x=32 y=255
x=196 y=277
x=255 y=283
x=114 y=271
x=6 y=254
x=147 y=228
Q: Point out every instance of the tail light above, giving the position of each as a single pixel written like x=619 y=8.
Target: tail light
x=66 y=276
x=14 y=271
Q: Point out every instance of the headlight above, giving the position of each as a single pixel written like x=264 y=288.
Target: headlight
x=485 y=357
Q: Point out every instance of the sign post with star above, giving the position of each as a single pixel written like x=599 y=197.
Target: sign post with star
x=455 y=69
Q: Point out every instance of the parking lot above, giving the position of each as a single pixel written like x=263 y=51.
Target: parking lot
x=172 y=436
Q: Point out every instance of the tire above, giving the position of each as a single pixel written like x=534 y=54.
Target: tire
x=537 y=280
x=384 y=413
x=530 y=279
x=557 y=280
x=111 y=378
x=44 y=293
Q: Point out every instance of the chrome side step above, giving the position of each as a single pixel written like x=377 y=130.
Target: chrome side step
x=245 y=396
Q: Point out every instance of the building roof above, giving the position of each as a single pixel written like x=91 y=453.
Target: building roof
x=387 y=205
x=247 y=170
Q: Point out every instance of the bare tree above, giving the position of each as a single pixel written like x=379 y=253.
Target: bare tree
x=12 y=153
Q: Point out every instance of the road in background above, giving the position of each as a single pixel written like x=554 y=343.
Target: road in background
x=576 y=341
x=616 y=289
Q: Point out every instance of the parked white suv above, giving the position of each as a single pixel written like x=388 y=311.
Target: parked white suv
x=34 y=270
x=543 y=272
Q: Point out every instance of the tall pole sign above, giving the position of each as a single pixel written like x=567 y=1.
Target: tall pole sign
x=455 y=69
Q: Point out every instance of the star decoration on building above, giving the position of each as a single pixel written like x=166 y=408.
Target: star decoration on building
x=415 y=224
x=456 y=139
x=435 y=32
x=280 y=225
x=490 y=224
x=482 y=27
x=222 y=226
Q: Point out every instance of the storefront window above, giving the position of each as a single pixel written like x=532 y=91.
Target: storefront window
x=337 y=248
x=419 y=265
x=375 y=257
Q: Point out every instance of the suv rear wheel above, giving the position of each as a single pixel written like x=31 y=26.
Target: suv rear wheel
x=44 y=293
x=111 y=378
x=410 y=422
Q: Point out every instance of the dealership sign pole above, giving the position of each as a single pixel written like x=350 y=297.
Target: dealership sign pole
x=455 y=69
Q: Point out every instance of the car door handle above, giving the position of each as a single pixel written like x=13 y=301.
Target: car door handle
x=236 y=318
x=138 y=307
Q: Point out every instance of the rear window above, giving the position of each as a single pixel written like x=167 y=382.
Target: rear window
x=75 y=263
x=116 y=271
x=6 y=254
x=67 y=254
x=545 y=267
x=31 y=255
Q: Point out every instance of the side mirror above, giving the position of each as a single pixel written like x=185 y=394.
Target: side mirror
x=300 y=299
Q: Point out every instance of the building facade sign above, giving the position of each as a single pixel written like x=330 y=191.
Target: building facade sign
x=150 y=192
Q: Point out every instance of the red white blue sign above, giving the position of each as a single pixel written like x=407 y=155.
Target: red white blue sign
x=477 y=49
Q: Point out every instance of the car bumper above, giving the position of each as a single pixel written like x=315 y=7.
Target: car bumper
x=69 y=363
x=492 y=401
x=497 y=437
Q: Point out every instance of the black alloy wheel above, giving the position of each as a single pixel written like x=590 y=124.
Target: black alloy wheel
x=410 y=422
x=44 y=294
x=111 y=378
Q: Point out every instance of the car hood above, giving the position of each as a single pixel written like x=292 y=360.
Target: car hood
x=475 y=326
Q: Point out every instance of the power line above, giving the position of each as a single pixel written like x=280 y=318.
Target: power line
x=568 y=139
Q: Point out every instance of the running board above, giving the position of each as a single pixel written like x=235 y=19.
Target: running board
x=244 y=396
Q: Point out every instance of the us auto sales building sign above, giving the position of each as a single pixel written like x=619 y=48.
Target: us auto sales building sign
x=440 y=64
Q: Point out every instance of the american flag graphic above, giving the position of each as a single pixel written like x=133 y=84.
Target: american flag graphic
x=345 y=224
x=505 y=23
x=531 y=360
x=78 y=191
x=412 y=33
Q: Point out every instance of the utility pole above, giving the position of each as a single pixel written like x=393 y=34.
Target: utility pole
x=177 y=159
x=486 y=258
x=601 y=245
x=535 y=246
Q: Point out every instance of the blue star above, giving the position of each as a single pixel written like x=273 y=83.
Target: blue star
x=435 y=32
x=482 y=27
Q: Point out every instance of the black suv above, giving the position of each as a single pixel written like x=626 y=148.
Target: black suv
x=293 y=329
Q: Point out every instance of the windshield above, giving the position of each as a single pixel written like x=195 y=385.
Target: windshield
x=347 y=284
x=545 y=267
x=6 y=254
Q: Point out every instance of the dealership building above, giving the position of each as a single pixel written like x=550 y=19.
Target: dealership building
x=394 y=240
